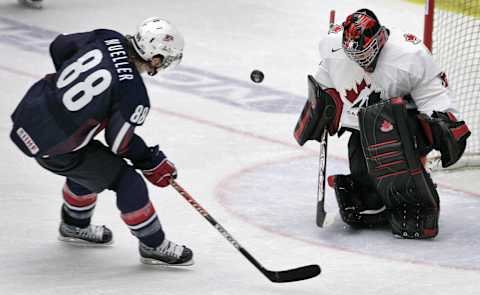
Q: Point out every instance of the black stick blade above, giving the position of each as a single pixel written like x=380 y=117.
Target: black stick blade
x=292 y=275
x=321 y=214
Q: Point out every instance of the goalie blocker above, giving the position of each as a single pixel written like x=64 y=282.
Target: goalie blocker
x=322 y=110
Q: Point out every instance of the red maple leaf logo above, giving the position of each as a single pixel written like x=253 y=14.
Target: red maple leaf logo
x=443 y=76
x=352 y=95
x=412 y=38
x=386 y=126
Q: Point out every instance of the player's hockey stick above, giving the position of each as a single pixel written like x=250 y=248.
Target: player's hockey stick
x=291 y=275
x=322 y=166
x=322 y=162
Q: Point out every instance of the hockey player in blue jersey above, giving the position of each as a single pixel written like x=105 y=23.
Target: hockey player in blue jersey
x=98 y=87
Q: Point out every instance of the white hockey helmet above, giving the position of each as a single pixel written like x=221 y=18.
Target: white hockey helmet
x=156 y=36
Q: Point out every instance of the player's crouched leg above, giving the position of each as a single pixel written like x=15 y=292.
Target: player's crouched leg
x=89 y=171
x=77 y=210
x=359 y=207
x=140 y=216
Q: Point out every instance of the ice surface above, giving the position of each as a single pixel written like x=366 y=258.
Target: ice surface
x=232 y=143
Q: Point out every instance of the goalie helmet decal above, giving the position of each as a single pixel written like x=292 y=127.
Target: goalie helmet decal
x=335 y=29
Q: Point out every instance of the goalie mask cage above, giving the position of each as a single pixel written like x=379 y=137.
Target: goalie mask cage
x=452 y=33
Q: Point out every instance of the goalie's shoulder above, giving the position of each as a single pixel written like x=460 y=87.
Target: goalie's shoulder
x=405 y=42
x=405 y=48
x=407 y=53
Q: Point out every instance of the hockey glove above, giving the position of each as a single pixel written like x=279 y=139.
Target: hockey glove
x=158 y=170
x=446 y=135
x=321 y=110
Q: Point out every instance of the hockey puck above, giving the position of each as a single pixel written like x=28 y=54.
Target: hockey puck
x=257 y=76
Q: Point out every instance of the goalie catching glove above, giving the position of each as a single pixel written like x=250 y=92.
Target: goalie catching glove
x=322 y=110
x=446 y=135
x=157 y=169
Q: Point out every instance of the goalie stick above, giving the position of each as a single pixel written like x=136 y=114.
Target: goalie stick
x=291 y=275
x=322 y=162
x=322 y=166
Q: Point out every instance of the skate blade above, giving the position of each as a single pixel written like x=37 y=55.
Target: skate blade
x=83 y=243
x=151 y=261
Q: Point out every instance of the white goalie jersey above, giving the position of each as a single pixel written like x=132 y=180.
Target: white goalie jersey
x=404 y=67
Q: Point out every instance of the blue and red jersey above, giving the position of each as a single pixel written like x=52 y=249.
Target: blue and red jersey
x=95 y=87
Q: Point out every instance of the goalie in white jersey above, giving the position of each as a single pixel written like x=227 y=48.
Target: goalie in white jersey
x=386 y=90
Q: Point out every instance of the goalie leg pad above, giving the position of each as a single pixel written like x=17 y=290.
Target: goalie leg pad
x=388 y=141
x=359 y=208
x=322 y=110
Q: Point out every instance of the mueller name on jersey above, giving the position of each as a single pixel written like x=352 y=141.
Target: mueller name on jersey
x=119 y=57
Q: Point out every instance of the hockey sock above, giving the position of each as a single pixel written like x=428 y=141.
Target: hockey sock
x=137 y=210
x=78 y=204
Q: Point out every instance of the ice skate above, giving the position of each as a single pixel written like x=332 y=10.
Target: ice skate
x=168 y=253
x=31 y=3
x=93 y=235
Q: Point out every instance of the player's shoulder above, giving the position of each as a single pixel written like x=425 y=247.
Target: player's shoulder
x=331 y=43
x=108 y=33
x=111 y=38
x=404 y=44
x=93 y=36
x=406 y=52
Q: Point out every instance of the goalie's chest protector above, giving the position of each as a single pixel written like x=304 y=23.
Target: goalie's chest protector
x=392 y=76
